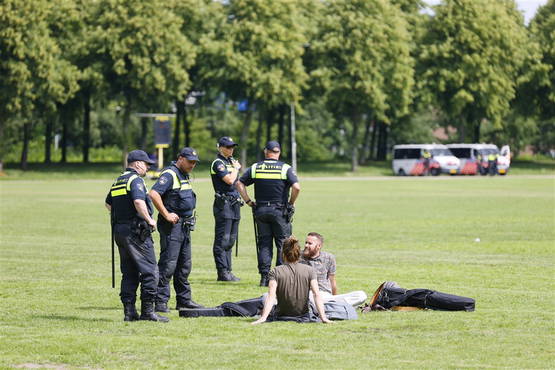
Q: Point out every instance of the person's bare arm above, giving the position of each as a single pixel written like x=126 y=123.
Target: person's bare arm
x=159 y=204
x=333 y=283
x=295 y=190
x=243 y=191
x=142 y=210
x=268 y=303
x=318 y=301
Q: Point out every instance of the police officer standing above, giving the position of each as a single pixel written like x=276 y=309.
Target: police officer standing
x=273 y=210
x=175 y=201
x=132 y=223
x=227 y=207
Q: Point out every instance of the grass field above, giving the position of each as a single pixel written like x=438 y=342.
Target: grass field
x=58 y=308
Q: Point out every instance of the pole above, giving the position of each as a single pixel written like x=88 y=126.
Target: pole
x=293 y=141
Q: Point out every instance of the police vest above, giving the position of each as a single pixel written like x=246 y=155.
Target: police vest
x=492 y=157
x=181 y=199
x=122 y=205
x=221 y=186
x=270 y=181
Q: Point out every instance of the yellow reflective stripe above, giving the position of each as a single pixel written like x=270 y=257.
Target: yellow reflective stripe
x=269 y=175
x=284 y=170
x=131 y=178
x=118 y=186
x=253 y=171
x=116 y=193
x=186 y=186
x=212 y=172
x=175 y=179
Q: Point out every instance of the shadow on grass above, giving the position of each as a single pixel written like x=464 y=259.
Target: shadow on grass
x=71 y=318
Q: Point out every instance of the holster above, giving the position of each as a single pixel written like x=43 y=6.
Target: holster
x=141 y=229
x=189 y=223
x=288 y=212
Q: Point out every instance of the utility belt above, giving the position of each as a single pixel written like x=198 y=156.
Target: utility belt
x=139 y=227
x=188 y=223
x=288 y=210
x=269 y=204
x=231 y=199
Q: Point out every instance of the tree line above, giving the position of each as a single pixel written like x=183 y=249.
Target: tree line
x=360 y=74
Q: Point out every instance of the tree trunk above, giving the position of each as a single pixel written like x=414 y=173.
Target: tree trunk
x=2 y=146
x=477 y=131
x=86 y=126
x=48 y=138
x=126 y=119
x=180 y=105
x=144 y=132
x=25 y=150
x=186 y=126
x=259 y=134
x=372 y=151
x=355 y=118
x=366 y=145
x=244 y=137
x=281 y=127
x=382 y=143
x=63 y=144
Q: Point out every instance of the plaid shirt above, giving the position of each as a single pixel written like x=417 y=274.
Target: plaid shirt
x=324 y=265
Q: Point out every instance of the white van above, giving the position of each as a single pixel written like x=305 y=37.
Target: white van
x=474 y=158
x=409 y=159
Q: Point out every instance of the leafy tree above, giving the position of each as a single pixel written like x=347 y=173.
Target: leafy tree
x=142 y=52
x=363 y=64
x=33 y=72
x=470 y=60
x=258 y=55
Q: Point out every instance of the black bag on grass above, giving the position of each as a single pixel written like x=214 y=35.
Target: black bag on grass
x=246 y=308
x=390 y=295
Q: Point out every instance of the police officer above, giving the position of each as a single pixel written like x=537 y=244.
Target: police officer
x=132 y=222
x=427 y=156
x=227 y=207
x=273 y=210
x=175 y=201
x=492 y=163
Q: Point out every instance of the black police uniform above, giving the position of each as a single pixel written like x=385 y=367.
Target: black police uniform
x=175 y=239
x=272 y=180
x=227 y=214
x=133 y=238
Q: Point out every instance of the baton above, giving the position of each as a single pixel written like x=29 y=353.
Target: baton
x=255 y=234
x=113 y=257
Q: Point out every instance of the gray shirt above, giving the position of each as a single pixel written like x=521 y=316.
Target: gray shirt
x=324 y=265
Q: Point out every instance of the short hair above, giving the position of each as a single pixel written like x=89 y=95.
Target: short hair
x=317 y=236
x=291 y=250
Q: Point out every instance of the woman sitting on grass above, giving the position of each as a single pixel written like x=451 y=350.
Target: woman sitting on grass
x=290 y=284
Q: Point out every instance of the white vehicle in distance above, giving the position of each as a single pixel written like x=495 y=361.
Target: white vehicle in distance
x=475 y=158
x=423 y=159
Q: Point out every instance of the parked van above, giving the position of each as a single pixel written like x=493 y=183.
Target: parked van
x=474 y=158
x=410 y=159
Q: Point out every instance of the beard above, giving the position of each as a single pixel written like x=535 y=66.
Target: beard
x=307 y=253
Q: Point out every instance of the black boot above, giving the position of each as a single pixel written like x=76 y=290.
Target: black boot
x=263 y=279
x=226 y=275
x=130 y=312
x=188 y=304
x=161 y=307
x=148 y=314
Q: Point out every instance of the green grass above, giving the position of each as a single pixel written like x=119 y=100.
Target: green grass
x=58 y=307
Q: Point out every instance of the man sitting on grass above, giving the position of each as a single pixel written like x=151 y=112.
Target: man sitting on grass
x=324 y=265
